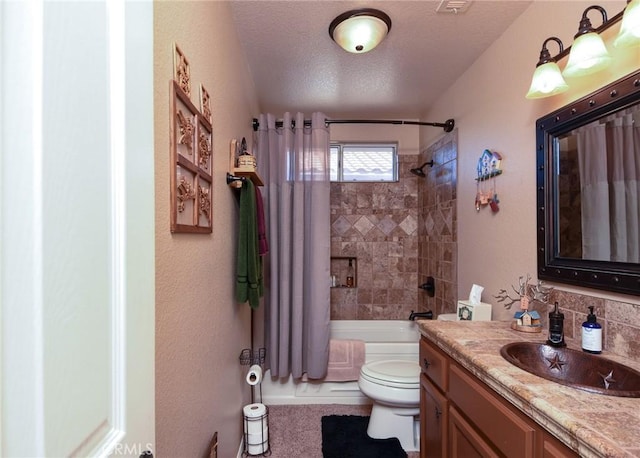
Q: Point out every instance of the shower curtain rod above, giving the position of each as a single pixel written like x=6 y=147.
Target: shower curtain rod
x=448 y=125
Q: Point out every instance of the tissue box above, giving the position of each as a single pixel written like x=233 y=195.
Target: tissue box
x=473 y=312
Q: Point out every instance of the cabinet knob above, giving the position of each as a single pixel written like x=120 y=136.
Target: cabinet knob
x=426 y=363
x=438 y=413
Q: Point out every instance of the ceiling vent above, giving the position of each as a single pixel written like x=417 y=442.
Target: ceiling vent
x=453 y=6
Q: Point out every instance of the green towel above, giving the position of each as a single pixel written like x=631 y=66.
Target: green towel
x=249 y=264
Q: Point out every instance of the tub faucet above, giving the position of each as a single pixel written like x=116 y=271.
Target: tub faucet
x=427 y=315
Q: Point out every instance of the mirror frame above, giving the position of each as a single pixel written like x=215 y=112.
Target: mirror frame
x=610 y=276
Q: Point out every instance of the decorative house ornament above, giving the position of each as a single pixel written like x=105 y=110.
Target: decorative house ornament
x=526 y=319
x=487 y=168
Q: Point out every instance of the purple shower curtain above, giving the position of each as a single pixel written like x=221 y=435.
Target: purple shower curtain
x=294 y=163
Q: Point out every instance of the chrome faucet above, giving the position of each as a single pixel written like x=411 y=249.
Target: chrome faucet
x=427 y=315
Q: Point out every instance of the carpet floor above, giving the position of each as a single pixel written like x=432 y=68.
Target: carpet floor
x=295 y=431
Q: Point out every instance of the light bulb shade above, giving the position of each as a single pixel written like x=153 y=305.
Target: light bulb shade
x=360 y=31
x=547 y=81
x=588 y=55
x=629 y=34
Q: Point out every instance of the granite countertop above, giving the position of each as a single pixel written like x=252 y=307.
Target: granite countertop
x=593 y=425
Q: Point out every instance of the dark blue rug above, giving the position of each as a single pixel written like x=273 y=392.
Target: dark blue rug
x=345 y=436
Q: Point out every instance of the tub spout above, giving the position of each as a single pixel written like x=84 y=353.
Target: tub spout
x=427 y=315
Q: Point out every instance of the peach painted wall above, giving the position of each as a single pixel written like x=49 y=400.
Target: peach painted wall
x=200 y=330
x=491 y=112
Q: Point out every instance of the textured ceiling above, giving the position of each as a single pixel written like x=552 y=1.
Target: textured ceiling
x=297 y=67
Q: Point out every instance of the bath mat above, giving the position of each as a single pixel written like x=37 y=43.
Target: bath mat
x=345 y=436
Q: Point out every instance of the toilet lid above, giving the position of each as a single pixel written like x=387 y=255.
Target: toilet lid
x=393 y=372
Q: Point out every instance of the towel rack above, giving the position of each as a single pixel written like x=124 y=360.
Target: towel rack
x=232 y=180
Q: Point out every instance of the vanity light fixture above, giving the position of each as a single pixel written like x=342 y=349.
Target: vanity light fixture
x=629 y=34
x=547 y=79
x=588 y=52
x=361 y=30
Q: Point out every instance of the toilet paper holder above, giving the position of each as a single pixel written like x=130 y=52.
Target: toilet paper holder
x=256 y=430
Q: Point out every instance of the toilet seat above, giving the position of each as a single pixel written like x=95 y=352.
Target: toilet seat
x=392 y=373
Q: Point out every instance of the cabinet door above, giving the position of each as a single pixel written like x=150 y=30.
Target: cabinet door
x=435 y=364
x=503 y=425
x=434 y=415
x=465 y=442
x=553 y=448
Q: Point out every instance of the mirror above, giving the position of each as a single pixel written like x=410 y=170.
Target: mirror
x=588 y=190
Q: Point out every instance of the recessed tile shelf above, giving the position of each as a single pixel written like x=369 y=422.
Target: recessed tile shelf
x=339 y=268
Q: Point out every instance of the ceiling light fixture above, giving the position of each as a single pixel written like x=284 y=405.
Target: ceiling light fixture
x=361 y=30
x=547 y=79
x=588 y=54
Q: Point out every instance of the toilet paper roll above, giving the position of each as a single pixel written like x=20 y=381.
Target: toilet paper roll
x=254 y=376
x=254 y=410
x=258 y=438
x=255 y=428
x=258 y=449
x=255 y=425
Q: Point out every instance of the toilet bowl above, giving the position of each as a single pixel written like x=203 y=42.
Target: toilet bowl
x=394 y=388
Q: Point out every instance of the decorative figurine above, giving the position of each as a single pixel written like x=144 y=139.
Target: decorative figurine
x=526 y=320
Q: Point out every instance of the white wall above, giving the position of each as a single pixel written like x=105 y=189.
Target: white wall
x=200 y=330
x=488 y=105
x=405 y=135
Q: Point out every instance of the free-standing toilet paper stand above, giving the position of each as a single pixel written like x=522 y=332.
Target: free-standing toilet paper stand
x=255 y=415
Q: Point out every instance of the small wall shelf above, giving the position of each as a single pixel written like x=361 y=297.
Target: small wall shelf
x=252 y=175
x=339 y=269
x=236 y=175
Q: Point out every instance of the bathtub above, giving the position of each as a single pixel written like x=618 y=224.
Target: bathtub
x=384 y=339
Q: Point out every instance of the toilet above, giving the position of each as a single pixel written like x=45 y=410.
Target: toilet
x=394 y=388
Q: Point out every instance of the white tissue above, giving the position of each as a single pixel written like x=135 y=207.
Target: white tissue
x=254 y=376
x=475 y=294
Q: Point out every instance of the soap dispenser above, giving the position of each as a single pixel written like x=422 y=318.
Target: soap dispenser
x=556 y=328
x=591 y=334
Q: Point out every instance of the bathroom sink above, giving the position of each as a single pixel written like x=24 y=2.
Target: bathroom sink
x=574 y=368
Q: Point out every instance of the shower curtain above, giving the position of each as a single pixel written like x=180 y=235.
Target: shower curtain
x=294 y=163
x=609 y=163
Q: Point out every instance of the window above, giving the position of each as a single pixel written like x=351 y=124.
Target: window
x=364 y=162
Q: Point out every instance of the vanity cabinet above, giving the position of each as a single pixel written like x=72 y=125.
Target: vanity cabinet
x=434 y=418
x=460 y=416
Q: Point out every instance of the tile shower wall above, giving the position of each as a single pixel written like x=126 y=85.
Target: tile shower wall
x=437 y=226
x=377 y=223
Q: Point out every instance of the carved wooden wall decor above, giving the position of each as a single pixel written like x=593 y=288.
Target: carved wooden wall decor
x=181 y=71
x=191 y=154
x=205 y=107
